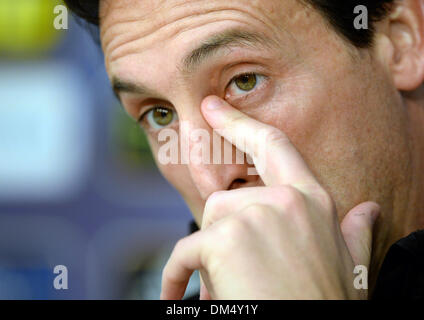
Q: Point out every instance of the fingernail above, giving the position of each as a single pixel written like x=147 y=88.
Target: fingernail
x=214 y=103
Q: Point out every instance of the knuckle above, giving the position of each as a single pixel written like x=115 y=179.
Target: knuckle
x=166 y=275
x=228 y=238
x=255 y=208
x=234 y=228
x=212 y=205
x=215 y=196
x=256 y=211
x=178 y=246
x=275 y=136
x=328 y=202
x=258 y=215
x=290 y=199
x=325 y=200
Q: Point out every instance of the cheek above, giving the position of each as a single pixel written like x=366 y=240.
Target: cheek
x=330 y=117
x=179 y=177
x=176 y=174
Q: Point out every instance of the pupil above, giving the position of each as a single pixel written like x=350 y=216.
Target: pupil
x=162 y=116
x=246 y=82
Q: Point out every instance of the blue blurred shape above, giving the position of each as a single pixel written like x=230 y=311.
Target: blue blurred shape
x=30 y=248
x=45 y=137
x=25 y=284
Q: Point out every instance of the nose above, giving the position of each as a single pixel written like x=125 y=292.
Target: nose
x=214 y=164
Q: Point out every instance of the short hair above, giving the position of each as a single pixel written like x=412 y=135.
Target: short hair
x=339 y=13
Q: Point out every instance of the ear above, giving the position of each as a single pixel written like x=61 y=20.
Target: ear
x=406 y=34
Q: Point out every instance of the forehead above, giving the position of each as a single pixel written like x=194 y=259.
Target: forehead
x=131 y=25
x=154 y=14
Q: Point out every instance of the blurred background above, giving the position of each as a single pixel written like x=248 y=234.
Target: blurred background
x=78 y=185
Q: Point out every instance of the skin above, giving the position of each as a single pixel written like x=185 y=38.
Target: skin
x=354 y=119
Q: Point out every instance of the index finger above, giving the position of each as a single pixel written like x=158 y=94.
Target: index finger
x=275 y=157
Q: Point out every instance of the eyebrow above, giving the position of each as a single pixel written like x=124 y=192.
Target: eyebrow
x=211 y=46
x=227 y=39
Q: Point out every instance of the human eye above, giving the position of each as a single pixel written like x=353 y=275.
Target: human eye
x=244 y=84
x=158 y=117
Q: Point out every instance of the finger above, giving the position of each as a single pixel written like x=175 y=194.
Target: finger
x=221 y=204
x=204 y=293
x=275 y=158
x=185 y=258
x=357 y=228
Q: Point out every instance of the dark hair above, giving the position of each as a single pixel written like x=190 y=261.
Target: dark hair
x=340 y=14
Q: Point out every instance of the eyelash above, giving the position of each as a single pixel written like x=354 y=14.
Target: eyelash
x=245 y=96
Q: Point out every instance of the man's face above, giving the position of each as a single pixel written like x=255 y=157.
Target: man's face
x=337 y=104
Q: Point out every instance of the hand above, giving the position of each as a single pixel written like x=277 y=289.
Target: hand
x=280 y=241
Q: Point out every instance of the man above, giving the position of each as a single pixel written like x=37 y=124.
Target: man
x=342 y=110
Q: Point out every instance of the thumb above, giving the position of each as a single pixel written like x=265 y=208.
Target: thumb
x=357 y=228
x=204 y=294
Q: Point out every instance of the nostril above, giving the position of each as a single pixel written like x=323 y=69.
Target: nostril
x=237 y=183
